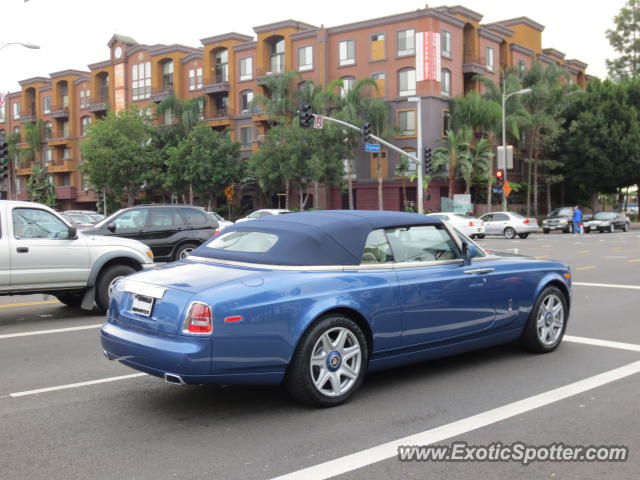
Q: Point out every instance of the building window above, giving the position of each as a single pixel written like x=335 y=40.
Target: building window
x=379 y=78
x=201 y=108
x=377 y=47
x=346 y=165
x=246 y=137
x=245 y=101
x=46 y=104
x=445 y=83
x=246 y=68
x=2 y=114
x=445 y=44
x=407 y=83
x=195 y=79
x=406 y=42
x=222 y=66
x=65 y=128
x=47 y=156
x=446 y=122
x=347 y=84
x=347 y=52
x=521 y=67
x=167 y=75
x=277 y=56
x=85 y=96
x=407 y=123
x=489 y=59
x=66 y=154
x=411 y=165
x=141 y=81
x=305 y=58
x=84 y=125
x=16 y=110
x=48 y=131
x=16 y=132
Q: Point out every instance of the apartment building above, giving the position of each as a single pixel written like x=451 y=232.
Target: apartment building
x=229 y=69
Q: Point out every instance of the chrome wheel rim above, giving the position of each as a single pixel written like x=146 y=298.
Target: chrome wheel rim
x=550 y=320
x=510 y=233
x=112 y=284
x=336 y=361
x=185 y=253
x=611 y=228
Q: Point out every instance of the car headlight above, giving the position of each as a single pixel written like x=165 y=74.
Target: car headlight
x=544 y=222
x=563 y=220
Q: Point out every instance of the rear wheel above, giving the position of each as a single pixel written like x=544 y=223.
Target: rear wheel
x=547 y=322
x=106 y=280
x=523 y=235
x=509 y=233
x=71 y=299
x=329 y=363
x=480 y=236
x=545 y=231
x=184 y=251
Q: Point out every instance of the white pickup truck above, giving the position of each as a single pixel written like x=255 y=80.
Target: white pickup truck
x=41 y=253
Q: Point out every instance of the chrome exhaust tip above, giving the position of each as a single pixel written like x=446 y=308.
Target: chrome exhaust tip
x=174 y=379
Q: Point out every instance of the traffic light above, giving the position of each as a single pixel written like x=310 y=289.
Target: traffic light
x=306 y=117
x=499 y=178
x=4 y=161
x=366 y=132
x=428 y=168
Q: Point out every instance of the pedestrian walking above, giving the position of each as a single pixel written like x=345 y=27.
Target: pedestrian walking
x=577 y=220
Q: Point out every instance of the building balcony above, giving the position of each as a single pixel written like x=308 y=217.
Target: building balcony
x=23 y=195
x=264 y=78
x=66 y=193
x=160 y=93
x=98 y=105
x=60 y=111
x=58 y=166
x=218 y=87
x=59 y=141
x=220 y=118
x=28 y=117
x=474 y=64
x=24 y=170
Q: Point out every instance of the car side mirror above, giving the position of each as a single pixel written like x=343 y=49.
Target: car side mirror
x=73 y=232
x=469 y=251
x=111 y=227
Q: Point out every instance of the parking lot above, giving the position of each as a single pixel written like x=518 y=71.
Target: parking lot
x=68 y=413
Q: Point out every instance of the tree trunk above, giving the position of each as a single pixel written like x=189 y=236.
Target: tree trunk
x=286 y=194
x=548 y=196
x=404 y=194
x=210 y=202
x=452 y=176
x=535 y=185
x=190 y=194
x=316 y=193
x=350 y=184
x=529 y=168
x=300 y=200
x=379 y=172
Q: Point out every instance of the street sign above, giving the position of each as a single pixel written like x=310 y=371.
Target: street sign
x=506 y=189
x=508 y=163
x=497 y=190
x=1 y=99
x=318 y=121
x=371 y=147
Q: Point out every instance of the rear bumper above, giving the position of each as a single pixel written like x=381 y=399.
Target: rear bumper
x=527 y=228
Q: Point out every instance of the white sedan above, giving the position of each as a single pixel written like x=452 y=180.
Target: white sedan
x=509 y=224
x=470 y=226
x=222 y=223
x=263 y=213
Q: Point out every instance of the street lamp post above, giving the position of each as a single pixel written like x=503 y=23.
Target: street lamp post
x=505 y=97
x=419 y=155
x=25 y=45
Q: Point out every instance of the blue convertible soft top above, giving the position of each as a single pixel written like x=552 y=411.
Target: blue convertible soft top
x=327 y=237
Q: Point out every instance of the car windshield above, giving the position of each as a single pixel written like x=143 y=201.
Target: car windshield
x=79 y=218
x=248 y=242
x=561 y=212
x=605 y=215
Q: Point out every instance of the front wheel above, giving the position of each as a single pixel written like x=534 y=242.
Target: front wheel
x=545 y=231
x=523 y=235
x=509 y=233
x=480 y=236
x=547 y=322
x=625 y=228
x=184 y=251
x=329 y=363
x=612 y=228
x=106 y=280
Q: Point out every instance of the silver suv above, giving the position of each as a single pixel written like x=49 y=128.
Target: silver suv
x=41 y=253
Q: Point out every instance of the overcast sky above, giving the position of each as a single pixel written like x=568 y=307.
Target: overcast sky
x=74 y=33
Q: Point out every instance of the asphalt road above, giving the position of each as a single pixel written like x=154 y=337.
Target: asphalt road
x=130 y=426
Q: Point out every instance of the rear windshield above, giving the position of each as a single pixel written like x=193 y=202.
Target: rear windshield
x=561 y=212
x=241 y=241
x=605 y=215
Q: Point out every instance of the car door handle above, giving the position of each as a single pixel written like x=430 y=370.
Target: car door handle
x=479 y=271
x=22 y=249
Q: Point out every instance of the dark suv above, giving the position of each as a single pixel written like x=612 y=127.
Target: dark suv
x=171 y=231
x=559 y=219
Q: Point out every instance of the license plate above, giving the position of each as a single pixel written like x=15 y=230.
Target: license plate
x=142 y=305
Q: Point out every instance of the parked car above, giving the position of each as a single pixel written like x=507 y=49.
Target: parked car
x=314 y=300
x=608 y=222
x=92 y=213
x=81 y=220
x=470 y=226
x=171 y=231
x=265 y=212
x=559 y=219
x=509 y=224
x=40 y=252
x=222 y=223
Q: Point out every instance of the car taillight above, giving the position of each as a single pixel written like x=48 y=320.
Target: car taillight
x=526 y=220
x=199 y=319
x=216 y=232
x=470 y=223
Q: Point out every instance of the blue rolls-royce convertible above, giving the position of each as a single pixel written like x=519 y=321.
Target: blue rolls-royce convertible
x=314 y=300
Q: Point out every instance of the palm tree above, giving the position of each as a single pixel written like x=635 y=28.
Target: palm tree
x=280 y=104
x=33 y=139
x=455 y=148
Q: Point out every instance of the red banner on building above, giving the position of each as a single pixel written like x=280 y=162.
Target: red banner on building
x=428 y=56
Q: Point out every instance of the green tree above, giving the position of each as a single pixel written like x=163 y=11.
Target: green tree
x=625 y=40
x=39 y=187
x=279 y=102
x=208 y=160
x=455 y=150
x=33 y=139
x=119 y=155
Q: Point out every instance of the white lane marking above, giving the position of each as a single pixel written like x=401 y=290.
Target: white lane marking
x=388 y=450
x=76 y=385
x=602 y=343
x=44 y=332
x=606 y=285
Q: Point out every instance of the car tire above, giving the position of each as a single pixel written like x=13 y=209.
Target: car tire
x=547 y=322
x=509 y=233
x=318 y=373
x=523 y=235
x=625 y=228
x=184 y=250
x=567 y=230
x=587 y=230
x=71 y=299
x=545 y=231
x=106 y=280
x=612 y=228
x=480 y=236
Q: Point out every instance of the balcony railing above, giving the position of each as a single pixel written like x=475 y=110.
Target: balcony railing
x=160 y=93
x=60 y=111
x=66 y=193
